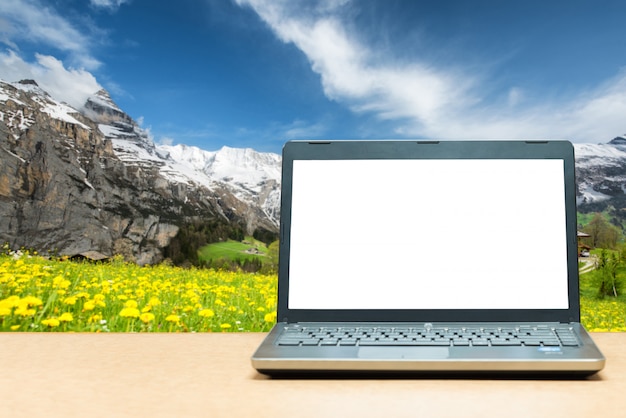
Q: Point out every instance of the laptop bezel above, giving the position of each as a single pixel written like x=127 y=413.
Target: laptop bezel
x=404 y=149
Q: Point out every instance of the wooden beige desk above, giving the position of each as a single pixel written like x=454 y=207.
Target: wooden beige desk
x=209 y=375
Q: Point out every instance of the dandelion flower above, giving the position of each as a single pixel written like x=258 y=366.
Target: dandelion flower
x=130 y=304
x=225 y=326
x=32 y=301
x=24 y=311
x=61 y=282
x=90 y=305
x=94 y=318
x=146 y=317
x=10 y=302
x=172 y=318
x=270 y=317
x=129 y=313
x=206 y=313
x=66 y=317
x=51 y=322
x=70 y=300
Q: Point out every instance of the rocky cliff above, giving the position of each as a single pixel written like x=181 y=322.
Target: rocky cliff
x=66 y=186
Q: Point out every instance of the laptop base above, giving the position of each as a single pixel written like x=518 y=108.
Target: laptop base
x=388 y=360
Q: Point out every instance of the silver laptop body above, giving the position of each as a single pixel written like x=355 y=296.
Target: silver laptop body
x=428 y=258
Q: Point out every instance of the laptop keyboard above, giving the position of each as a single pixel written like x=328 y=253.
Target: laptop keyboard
x=428 y=336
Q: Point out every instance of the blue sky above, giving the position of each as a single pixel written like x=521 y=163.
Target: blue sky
x=254 y=73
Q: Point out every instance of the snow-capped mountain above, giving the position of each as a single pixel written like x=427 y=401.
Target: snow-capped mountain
x=47 y=104
x=252 y=176
x=88 y=179
x=600 y=172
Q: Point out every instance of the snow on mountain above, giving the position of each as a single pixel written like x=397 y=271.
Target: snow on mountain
x=600 y=170
x=245 y=167
x=252 y=176
x=600 y=154
x=49 y=105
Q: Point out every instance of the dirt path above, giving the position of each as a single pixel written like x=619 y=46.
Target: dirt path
x=589 y=264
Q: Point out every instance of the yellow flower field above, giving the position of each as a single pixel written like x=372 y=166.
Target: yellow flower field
x=603 y=315
x=37 y=294
x=47 y=295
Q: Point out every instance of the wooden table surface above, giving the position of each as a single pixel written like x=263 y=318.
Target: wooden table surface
x=209 y=375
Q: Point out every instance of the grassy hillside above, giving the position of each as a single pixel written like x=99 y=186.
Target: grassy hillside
x=247 y=250
x=249 y=255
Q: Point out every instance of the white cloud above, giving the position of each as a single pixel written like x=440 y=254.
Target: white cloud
x=111 y=5
x=596 y=115
x=33 y=21
x=353 y=74
x=515 y=97
x=299 y=129
x=166 y=141
x=69 y=85
x=427 y=100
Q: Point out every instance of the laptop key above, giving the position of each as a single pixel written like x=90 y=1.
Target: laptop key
x=503 y=342
x=289 y=342
x=433 y=343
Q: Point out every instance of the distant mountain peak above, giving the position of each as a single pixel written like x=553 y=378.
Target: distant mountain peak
x=30 y=86
x=28 y=81
x=618 y=140
x=103 y=98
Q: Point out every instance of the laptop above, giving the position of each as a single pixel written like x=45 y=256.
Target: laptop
x=428 y=258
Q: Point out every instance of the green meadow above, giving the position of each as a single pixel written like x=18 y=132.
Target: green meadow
x=40 y=294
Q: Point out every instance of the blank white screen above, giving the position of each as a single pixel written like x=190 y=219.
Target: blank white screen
x=428 y=234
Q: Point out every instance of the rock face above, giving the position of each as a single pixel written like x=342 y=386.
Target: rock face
x=72 y=182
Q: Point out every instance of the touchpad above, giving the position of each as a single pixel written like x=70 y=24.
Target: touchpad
x=417 y=353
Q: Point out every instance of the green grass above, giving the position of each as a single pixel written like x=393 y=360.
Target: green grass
x=51 y=295
x=233 y=250
x=37 y=294
x=606 y=313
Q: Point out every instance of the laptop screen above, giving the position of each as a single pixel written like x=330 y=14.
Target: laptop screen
x=377 y=234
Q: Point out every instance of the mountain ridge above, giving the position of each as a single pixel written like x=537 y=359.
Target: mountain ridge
x=73 y=181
